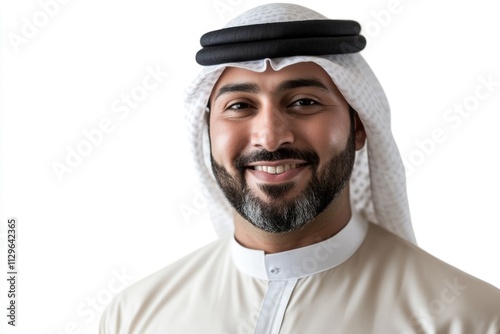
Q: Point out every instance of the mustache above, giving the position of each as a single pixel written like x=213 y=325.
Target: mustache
x=284 y=153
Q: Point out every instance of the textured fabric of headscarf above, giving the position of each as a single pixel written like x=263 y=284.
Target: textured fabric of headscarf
x=377 y=186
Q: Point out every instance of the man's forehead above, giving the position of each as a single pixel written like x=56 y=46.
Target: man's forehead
x=301 y=71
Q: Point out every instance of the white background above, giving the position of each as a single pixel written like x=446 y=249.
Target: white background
x=118 y=212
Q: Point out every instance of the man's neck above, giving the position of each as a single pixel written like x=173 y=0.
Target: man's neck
x=324 y=226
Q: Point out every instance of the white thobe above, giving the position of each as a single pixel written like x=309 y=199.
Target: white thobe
x=362 y=280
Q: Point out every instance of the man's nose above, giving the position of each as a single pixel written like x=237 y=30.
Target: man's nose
x=271 y=129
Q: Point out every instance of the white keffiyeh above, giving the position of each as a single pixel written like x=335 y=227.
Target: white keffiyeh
x=377 y=186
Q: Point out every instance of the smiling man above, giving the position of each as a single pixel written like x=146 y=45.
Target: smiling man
x=290 y=131
x=282 y=147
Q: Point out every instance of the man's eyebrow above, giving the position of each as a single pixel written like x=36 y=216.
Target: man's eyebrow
x=285 y=85
x=298 y=83
x=238 y=87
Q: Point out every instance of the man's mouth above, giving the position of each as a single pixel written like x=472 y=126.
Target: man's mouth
x=274 y=170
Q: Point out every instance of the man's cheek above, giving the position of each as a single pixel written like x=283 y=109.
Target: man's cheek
x=227 y=149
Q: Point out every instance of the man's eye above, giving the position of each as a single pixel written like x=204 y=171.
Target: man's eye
x=238 y=106
x=304 y=103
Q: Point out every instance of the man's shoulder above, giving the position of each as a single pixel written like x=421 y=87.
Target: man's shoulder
x=171 y=282
x=427 y=280
x=409 y=254
x=184 y=268
x=393 y=249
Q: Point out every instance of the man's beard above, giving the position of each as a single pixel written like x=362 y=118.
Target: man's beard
x=278 y=215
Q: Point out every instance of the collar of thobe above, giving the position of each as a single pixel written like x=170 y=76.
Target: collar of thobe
x=304 y=261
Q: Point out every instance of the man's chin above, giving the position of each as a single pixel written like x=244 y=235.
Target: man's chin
x=276 y=192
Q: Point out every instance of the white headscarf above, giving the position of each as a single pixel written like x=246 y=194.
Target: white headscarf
x=377 y=186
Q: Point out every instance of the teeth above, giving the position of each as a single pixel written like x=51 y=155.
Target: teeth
x=275 y=169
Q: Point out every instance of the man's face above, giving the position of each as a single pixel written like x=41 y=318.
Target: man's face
x=282 y=145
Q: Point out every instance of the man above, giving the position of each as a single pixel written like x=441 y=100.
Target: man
x=291 y=138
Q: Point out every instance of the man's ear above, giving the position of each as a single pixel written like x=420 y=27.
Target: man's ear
x=359 y=132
